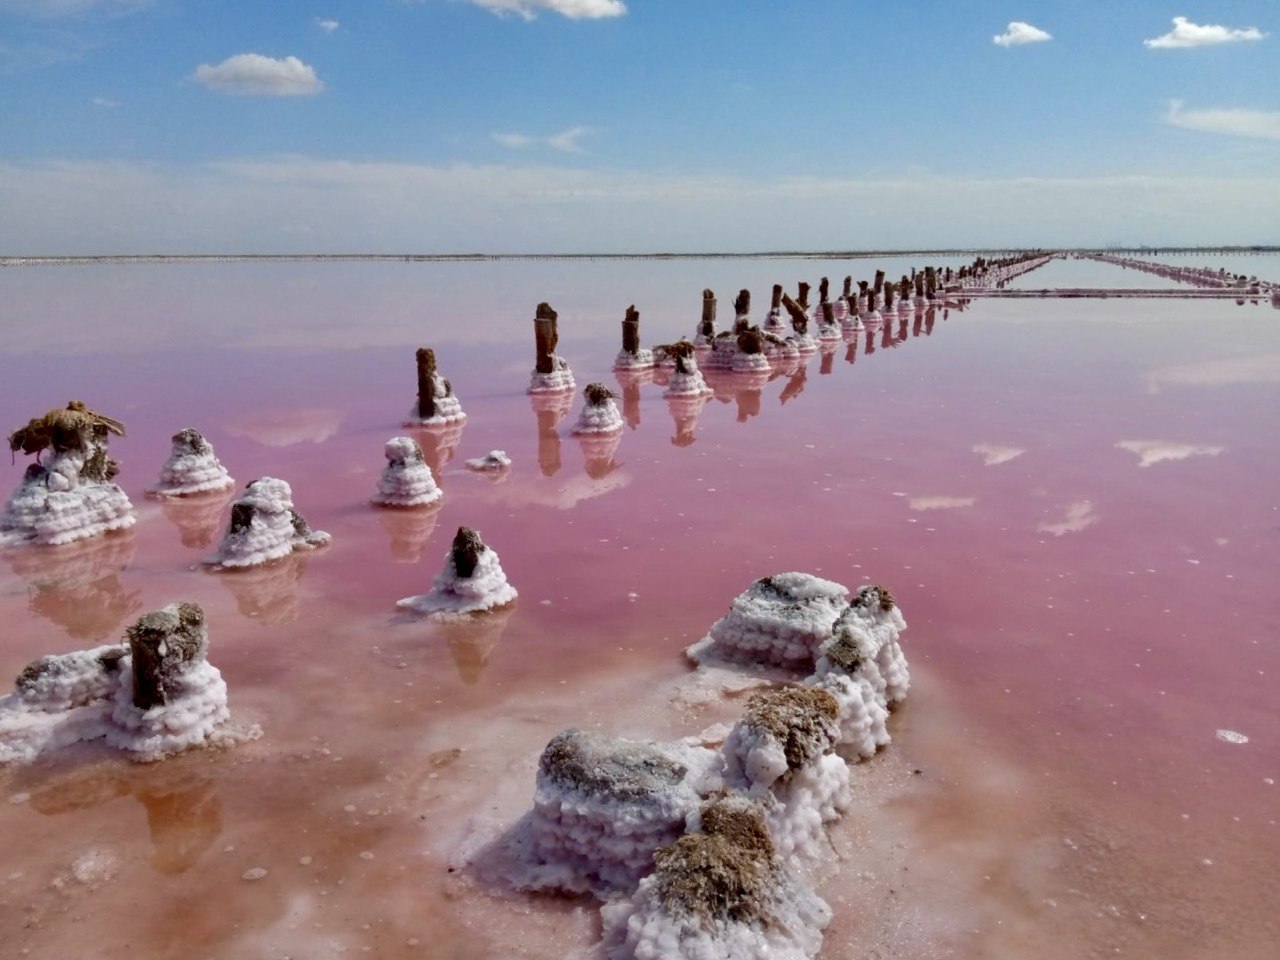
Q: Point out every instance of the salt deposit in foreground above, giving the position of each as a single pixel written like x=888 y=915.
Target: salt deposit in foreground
x=472 y=581
x=192 y=468
x=551 y=373
x=437 y=404
x=265 y=527
x=406 y=480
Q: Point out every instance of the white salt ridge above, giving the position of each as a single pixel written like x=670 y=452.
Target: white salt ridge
x=54 y=504
x=778 y=621
x=557 y=381
x=448 y=406
x=687 y=383
x=452 y=595
x=406 y=480
x=597 y=418
x=642 y=359
x=273 y=530
x=198 y=709
x=749 y=363
x=862 y=711
x=491 y=461
x=191 y=468
x=774 y=323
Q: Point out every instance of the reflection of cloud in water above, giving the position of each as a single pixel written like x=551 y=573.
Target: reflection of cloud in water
x=941 y=502
x=1158 y=451
x=526 y=491
x=473 y=639
x=1216 y=373
x=267 y=593
x=439 y=443
x=78 y=586
x=1077 y=517
x=198 y=518
x=410 y=530
x=285 y=428
x=993 y=455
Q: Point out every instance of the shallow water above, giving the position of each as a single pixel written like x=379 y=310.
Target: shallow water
x=1074 y=502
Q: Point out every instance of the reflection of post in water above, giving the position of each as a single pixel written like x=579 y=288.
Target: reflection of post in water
x=267 y=593
x=902 y=330
x=597 y=453
x=409 y=530
x=915 y=327
x=795 y=385
x=199 y=517
x=550 y=409
x=184 y=812
x=630 y=382
x=871 y=340
x=828 y=351
x=685 y=412
x=473 y=639
x=886 y=335
x=928 y=322
x=439 y=443
x=77 y=586
x=747 y=391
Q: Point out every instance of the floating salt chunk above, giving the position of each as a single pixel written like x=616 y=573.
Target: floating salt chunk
x=406 y=480
x=472 y=581
x=191 y=468
x=686 y=380
x=437 y=404
x=265 y=527
x=254 y=873
x=721 y=893
x=551 y=373
x=69 y=496
x=778 y=621
x=782 y=752
x=152 y=696
x=1231 y=736
x=491 y=461
x=600 y=414
x=632 y=356
x=601 y=808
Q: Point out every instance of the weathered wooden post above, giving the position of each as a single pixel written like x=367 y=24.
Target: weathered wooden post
x=545 y=338
x=631 y=331
x=742 y=311
x=803 y=296
x=162 y=645
x=707 y=325
x=426 y=382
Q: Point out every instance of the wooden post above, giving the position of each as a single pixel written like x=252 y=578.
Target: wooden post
x=848 y=288
x=742 y=311
x=426 y=383
x=799 y=315
x=803 y=298
x=161 y=643
x=466 y=550
x=879 y=288
x=888 y=296
x=631 y=331
x=775 y=302
x=545 y=338
x=823 y=287
x=707 y=325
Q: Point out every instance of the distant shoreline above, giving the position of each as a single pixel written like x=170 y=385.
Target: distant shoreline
x=44 y=260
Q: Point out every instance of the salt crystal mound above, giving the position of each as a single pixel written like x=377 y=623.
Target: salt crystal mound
x=774 y=323
x=779 y=621
x=66 y=499
x=406 y=480
x=599 y=415
x=877 y=613
x=642 y=359
x=153 y=696
x=265 y=527
x=721 y=893
x=454 y=594
x=602 y=806
x=829 y=331
x=491 y=461
x=782 y=753
x=686 y=380
x=191 y=468
x=448 y=406
x=558 y=380
x=749 y=362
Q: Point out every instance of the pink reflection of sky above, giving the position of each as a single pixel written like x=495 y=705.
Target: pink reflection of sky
x=1106 y=653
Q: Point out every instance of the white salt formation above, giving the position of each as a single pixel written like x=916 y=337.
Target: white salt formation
x=707 y=323
x=265 y=527
x=70 y=495
x=551 y=373
x=437 y=404
x=600 y=414
x=874 y=613
x=472 y=581
x=720 y=893
x=782 y=753
x=779 y=621
x=492 y=461
x=602 y=806
x=632 y=356
x=152 y=696
x=406 y=480
x=686 y=380
x=191 y=468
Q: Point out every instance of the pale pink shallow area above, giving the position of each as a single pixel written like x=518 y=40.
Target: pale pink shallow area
x=1076 y=504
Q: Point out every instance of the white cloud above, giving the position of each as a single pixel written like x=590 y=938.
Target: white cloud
x=1078 y=516
x=1186 y=34
x=1152 y=452
x=1019 y=33
x=573 y=9
x=255 y=75
x=566 y=141
x=105 y=102
x=513 y=141
x=994 y=455
x=1230 y=121
x=941 y=502
x=328 y=26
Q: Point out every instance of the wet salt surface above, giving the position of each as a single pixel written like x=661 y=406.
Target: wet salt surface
x=1071 y=668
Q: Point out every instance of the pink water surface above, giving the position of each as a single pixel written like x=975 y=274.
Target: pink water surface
x=1081 y=624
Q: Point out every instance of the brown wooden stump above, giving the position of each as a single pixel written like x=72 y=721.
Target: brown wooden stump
x=162 y=644
x=545 y=338
x=879 y=287
x=466 y=550
x=803 y=296
x=707 y=325
x=823 y=288
x=631 y=331
x=775 y=302
x=799 y=315
x=426 y=382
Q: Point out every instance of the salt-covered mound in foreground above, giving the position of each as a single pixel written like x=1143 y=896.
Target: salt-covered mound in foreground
x=782 y=753
x=191 y=468
x=877 y=613
x=551 y=373
x=686 y=380
x=721 y=893
x=437 y=404
x=265 y=527
x=602 y=806
x=406 y=480
x=152 y=696
x=69 y=496
x=472 y=581
x=779 y=621
x=600 y=414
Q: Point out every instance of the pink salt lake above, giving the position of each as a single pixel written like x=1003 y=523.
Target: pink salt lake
x=1075 y=503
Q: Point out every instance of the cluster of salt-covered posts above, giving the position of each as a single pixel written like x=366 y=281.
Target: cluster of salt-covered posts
x=705 y=847
x=1203 y=277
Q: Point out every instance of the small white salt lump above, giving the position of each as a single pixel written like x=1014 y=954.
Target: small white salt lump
x=493 y=460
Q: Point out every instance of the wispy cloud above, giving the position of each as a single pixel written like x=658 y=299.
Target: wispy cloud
x=567 y=141
x=573 y=9
x=252 y=74
x=1263 y=368
x=1018 y=33
x=1229 y=121
x=993 y=455
x=940 y=502
x=1151 y=452
x=328 y=26
x=1186 y=34
x=105 y=102
x=1078 y=516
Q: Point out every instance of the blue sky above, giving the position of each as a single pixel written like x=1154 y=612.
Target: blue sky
x=651 y=124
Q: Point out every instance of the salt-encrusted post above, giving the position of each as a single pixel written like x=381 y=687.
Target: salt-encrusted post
x=631 y=331
x=466 y=550
x=775 y=302
x=847 y=292
x=802 y=297
x=879 y=287
x=823 y=287
x=707 y=325
x=426 y=382
x=162 y=643
x=931 y=283
x=742 y=311
x=799 y=316
x=918 y=279
x=888 y=297
x=545 y=337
